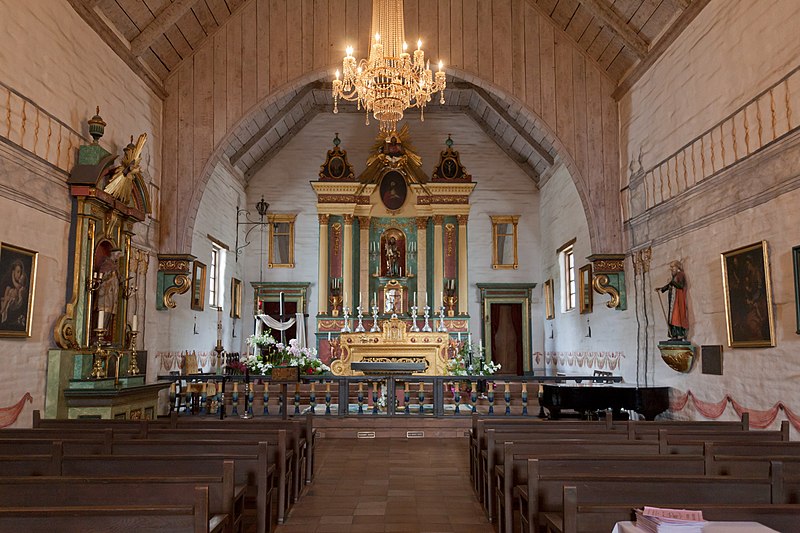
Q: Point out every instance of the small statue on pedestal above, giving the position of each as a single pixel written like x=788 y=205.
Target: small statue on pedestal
x=677 y=352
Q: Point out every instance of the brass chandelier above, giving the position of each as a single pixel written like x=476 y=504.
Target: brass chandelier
x=390 y=80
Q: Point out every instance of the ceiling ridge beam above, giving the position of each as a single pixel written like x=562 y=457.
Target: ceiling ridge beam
x=508 y=119
x=512 y=154
x=618 y=26
x=275 y=148
x=659 y=47
x=296 y=99
x=119 y=47
x=165 y=18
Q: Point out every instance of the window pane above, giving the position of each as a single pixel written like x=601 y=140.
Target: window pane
x=280 y=249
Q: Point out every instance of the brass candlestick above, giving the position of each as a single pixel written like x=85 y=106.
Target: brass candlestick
x=133 y=366
x=100 y=361
x=335 y=301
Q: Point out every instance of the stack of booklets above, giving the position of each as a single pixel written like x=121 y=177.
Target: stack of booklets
x=659 y=520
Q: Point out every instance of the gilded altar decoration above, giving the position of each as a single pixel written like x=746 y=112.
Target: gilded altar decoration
x=449 y=169
x=393 y=344
x=393 y=155
x=609 y=278
x=678 y=356
x=120 y=185
x=336 y=166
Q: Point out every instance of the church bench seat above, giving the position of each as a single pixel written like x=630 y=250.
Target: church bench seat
x=578 y=516
x=192 y=518
x=514 y=471
x=544 y=492
x=121 y=491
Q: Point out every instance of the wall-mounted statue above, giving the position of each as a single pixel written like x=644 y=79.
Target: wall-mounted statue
x=677 y=316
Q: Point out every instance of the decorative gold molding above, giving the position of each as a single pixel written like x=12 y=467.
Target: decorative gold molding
x=607 y=263
x=363 y=222
x=450 y=199
x=323 y=219
x=462 y=220
x=342 y=199
x=601 y=285
x=422 y=222
x=438 y=220
x=348 y=219
x=182 y=285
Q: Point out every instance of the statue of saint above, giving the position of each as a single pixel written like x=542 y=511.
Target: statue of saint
x=108 y=291
x=677 y=316
x=392 y=258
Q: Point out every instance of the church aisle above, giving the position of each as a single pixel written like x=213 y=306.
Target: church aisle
x=377 y=485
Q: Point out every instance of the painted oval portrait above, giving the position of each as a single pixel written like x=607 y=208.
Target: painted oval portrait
x=393 y=190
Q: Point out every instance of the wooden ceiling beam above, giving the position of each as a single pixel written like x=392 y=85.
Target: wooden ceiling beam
x=618 y=26
x=659 y=47
x=119 y=47
x=165 y=18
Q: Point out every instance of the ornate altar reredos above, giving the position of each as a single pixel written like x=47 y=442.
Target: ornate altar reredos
x=393 y=344
x=393 y=240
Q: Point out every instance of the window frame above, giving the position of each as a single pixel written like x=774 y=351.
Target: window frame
x=214 y=283
x=497 y=221
x=569 y=290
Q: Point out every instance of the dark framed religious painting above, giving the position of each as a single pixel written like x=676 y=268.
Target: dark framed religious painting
x=198 y=286
x=17 y=288
x=748 y=296
x=393 y=190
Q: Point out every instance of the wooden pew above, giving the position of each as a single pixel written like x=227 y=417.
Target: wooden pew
x=544 y=493
x=580 y=516
x=514 y=471
x=66 y=491
x=176 y=518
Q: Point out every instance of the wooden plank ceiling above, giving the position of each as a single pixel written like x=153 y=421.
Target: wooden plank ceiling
x=622 y=36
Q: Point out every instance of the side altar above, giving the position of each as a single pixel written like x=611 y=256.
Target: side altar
x=396 y=346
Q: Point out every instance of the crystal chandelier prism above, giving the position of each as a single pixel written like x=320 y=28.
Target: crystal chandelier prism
x=391 y=80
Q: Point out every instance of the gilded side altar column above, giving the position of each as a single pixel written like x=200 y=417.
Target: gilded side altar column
x=463 y=281
x=363 y=247
x=422 y=257
x=438 y=262
x=322 y=305
x=347 y=263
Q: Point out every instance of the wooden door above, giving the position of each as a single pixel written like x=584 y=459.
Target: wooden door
x=507 y=337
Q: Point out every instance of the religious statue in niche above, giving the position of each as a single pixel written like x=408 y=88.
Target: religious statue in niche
x=677 y=317
x=108 y=272
x=393 y=252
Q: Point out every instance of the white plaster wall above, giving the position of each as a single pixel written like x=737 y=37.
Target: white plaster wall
x=502 y=188
x=566 y=337
x=733 y=50
x=51 y=56
x=175 y=329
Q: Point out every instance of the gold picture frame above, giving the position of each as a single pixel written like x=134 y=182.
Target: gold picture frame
x=198 y=286
x=585 y=294
x=236 y=298
x=17 y=289
x=748 y=296
x=549 y=300
x=504 y=241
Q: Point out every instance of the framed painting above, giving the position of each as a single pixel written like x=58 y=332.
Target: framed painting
x=17 y=288
x=236 y=298
x=549 y=303
x=586 y=299
x=198 y=285
x=748 y=296
x=393 y=190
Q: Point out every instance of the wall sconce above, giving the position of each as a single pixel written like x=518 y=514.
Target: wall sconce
x=261 y=208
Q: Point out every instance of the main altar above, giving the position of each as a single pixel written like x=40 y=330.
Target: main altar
x=393 y=277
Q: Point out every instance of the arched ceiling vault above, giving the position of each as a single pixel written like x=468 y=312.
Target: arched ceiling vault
x=155 y=37
x=267 y=130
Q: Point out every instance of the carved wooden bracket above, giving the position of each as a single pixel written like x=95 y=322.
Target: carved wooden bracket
x=173 y=279
x=608 y=271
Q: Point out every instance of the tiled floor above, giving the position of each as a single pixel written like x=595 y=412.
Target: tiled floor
x=377 y=485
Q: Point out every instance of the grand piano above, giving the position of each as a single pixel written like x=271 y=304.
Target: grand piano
x=585 y=399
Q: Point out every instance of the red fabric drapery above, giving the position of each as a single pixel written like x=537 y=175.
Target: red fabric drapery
x=759 y=419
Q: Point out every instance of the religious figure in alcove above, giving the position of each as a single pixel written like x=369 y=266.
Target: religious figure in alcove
x=108 y=291
x=677 y=315
x=392 y=258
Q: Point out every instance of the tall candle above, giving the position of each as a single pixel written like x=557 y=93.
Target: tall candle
x=415 y=299
x=459 y=336
x=359 y=298
x=426 y=298
x=329 y=336
x=134 y=323
x=375 y=299
x=469 y=338
x=100 y=318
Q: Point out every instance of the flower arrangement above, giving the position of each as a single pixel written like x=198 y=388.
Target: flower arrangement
x=269 y=353
x=469 y=360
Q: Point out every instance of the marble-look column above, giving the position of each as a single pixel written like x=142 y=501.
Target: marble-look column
x=422 y=259
x=438 y=261
x=347 y=263
x=363 y=247
x=463 y=281
x=322 y=305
